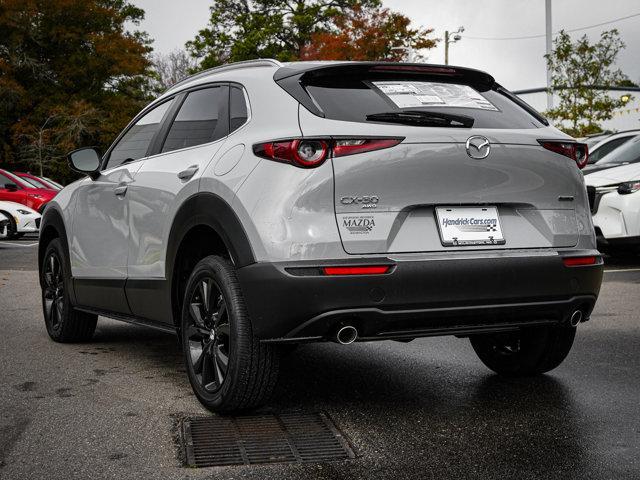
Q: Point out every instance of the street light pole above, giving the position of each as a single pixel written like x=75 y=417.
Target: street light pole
x=549 y=35
x=446 y=47
x=450 y=38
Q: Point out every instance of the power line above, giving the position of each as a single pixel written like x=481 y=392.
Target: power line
x=568 y=31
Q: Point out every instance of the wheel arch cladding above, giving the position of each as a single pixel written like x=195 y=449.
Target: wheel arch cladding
x=206 y=214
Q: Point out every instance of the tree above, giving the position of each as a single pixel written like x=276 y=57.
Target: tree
x=63 y=65
x=577 y=67
x=368 y=34
x=287 y=29
x=65 y=129
x=171 y=68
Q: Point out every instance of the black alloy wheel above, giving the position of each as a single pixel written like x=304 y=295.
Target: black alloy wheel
x=53 y=292
x=208 y=334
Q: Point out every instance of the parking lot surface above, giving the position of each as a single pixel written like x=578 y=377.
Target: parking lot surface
x=426 y=409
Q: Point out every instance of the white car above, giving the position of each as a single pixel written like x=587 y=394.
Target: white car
x=608 y=144
x=22 y=219
x=614 y=195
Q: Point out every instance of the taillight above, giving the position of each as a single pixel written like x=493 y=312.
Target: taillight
x=578 y=152
x=302 y=153
x=369 y=270
x=343 y=147
x=312 y=152
x=579 y=261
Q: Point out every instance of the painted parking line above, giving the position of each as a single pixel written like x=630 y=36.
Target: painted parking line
x=623 y=270
x=12 y=244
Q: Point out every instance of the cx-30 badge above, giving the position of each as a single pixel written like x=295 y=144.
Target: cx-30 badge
x=366 y=201
x=478 y=147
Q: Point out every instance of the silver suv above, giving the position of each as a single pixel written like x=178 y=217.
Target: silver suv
x=261 y=204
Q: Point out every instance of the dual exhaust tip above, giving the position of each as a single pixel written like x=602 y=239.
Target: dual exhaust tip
x=348 y=334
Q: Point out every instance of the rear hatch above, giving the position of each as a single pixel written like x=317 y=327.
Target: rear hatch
x=443 y=186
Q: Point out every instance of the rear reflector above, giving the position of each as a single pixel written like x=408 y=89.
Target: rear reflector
x=578 y=261
x=372 y=270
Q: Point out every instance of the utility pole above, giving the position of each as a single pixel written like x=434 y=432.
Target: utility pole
x=549 y=35
x=450 y=38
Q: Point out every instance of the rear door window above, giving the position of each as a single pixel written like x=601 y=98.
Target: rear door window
x=353 y=99
x=198 y=120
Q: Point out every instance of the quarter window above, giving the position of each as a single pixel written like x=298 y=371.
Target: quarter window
x=237 y=109
x=135 y=142
x=197 y=121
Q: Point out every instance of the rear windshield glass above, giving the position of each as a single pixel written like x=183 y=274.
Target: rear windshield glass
x=352 y=99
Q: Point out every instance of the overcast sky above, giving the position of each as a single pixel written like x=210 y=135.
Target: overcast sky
x=517 y=64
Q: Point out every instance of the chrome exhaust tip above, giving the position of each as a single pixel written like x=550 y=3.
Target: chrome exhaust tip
x=576 y=318
x=346 y=335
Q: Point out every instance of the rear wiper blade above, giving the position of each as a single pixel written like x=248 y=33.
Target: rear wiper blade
x=420 y=117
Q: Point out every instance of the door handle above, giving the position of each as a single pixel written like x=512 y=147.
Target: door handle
x=188 y=173
x=120 y=190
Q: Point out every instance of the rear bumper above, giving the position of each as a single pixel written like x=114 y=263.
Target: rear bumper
x=437 y=296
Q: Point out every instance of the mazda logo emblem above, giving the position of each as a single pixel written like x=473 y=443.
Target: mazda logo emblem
x=478 y=147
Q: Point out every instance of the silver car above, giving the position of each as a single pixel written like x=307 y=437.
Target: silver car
x=259 y=204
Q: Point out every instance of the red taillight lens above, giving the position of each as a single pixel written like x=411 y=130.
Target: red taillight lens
x=299 y=152
x=578 y=261
x=578 y=152
x=372 y=270
x=312 y=152
x=343 y=147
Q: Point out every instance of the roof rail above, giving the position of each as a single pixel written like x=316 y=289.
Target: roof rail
x=259 y=62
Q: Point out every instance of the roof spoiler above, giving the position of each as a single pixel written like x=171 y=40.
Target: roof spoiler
x=319 y=69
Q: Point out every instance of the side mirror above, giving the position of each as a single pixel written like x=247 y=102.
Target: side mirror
x=12 y=187
x=85 y=160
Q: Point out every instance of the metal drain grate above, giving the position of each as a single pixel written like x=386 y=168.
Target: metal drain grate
x=287 y=437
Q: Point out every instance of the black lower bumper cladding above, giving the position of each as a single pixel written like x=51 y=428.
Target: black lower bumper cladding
x=294 y=302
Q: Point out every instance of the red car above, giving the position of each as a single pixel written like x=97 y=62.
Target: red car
x=37 y=182
x=16 y=189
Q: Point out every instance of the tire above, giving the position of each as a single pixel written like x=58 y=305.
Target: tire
x=64 y=323
x=229 y=369
x=530 y=351
x=12 y=228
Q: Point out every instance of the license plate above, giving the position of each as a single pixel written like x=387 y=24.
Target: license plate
x=461 y=226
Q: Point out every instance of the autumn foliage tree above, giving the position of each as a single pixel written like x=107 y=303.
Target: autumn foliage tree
x=368 y=34
x=70 y=74
x=304 y=29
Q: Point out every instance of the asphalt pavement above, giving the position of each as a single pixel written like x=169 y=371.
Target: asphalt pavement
x=426 y=409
